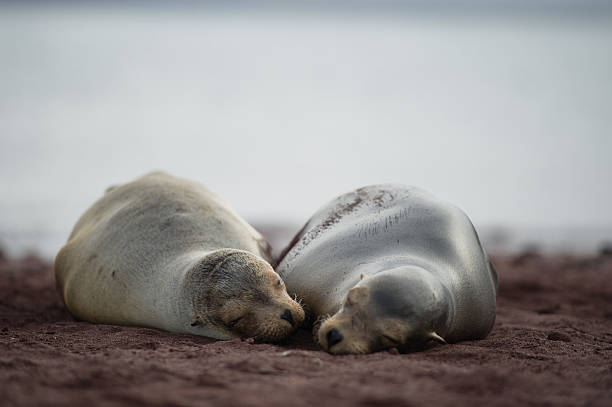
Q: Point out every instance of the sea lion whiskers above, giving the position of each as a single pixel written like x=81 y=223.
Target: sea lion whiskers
x=298 y=299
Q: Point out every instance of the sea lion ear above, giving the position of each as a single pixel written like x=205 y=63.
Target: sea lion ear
x=197 y=321
x=435 y=337
x=357 y=295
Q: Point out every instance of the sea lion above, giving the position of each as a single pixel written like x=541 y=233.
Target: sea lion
x=393 y=267
x=167 y=253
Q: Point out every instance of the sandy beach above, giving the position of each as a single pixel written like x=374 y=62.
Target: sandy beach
x=551 y=345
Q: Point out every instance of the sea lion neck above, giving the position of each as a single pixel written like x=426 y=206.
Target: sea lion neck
x=178 y=284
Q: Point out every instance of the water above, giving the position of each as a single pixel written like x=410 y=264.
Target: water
x=507 y=116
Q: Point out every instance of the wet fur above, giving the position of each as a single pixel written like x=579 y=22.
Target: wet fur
x=381 y=228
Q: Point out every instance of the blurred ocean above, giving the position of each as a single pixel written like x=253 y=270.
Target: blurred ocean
x=506 y=112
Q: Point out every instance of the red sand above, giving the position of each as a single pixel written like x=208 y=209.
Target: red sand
x=551 y=345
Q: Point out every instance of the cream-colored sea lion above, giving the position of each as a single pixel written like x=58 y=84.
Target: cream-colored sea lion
x=167 y=253
x=393 y=267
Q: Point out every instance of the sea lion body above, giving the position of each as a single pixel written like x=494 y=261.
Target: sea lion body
x=393 y=254
x=168 y=253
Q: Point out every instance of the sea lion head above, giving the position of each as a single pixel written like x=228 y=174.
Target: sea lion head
x=236 y=294
x=401 y=308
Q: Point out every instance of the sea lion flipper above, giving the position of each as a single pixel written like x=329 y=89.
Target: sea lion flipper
x=434 y=336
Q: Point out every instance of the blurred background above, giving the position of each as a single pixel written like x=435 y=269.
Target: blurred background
x=503 y=108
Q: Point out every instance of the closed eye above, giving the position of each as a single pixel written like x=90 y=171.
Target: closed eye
x=393 y=341
x=233 y=322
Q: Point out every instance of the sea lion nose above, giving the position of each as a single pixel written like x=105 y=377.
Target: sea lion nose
x=287 y=316
x=333 y=337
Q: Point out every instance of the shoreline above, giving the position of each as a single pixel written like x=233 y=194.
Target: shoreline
x=497 y=240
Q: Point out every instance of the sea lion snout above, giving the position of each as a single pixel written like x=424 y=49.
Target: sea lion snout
x=354 y=332
x=347 y=331
x=338 y=335
x=275 y=322
x=277 y=315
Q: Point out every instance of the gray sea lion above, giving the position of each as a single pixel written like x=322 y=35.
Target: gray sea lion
x=167 y=253
x=393 y=267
